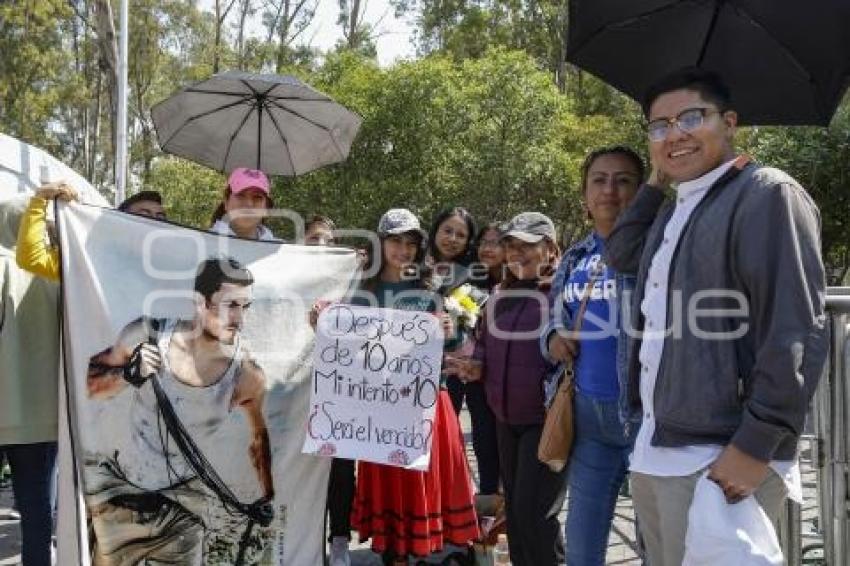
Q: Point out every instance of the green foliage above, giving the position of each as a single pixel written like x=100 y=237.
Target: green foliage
x=468 y=28
x=817 y=158
x=190 y=192
x=492 y=134
x=36 y=75
x=162 y=34
x=490 y=117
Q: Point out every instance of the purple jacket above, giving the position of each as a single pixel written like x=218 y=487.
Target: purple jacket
x=514 y=368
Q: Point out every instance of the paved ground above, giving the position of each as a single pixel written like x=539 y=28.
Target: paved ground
x=10 y=538
x=621 y=546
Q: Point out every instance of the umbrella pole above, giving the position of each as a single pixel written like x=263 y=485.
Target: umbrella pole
x=261 y=102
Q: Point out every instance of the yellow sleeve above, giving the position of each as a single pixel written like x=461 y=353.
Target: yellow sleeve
x=33 y=252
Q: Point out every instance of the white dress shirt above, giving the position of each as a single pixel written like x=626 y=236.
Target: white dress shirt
x=685 y=460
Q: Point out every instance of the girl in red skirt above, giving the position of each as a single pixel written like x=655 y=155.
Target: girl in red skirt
x=405 y=512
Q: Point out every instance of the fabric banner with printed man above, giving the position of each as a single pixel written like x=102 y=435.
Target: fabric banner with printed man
x=188 y=367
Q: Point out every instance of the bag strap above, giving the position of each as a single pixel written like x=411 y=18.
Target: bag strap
x=585 y=299
x=579 y=319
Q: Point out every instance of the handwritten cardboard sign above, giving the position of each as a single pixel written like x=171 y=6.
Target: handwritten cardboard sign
x=376 y=378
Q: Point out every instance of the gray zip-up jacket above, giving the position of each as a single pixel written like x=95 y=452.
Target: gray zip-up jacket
x=750 y=250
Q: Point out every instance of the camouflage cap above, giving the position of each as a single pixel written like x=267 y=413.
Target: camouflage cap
x=399 y=221
x=530 y=227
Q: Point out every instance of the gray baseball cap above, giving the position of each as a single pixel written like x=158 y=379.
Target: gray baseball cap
x=530 y=227
x=399 y=221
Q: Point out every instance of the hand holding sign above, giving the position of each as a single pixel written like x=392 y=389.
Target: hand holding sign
x=447 y=324
x=376 y=379
x=316 y=310
x=466 y=369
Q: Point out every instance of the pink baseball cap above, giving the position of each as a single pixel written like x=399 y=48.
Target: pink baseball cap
x=243 y=178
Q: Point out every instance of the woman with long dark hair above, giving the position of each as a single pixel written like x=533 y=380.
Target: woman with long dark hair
x=450 y=252
x=450 y=246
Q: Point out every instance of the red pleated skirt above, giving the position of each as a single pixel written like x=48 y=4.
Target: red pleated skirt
x=416 y=513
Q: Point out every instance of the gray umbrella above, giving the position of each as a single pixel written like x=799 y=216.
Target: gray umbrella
x=269 y=122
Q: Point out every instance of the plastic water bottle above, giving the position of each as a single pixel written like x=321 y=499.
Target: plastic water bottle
x=502 y=555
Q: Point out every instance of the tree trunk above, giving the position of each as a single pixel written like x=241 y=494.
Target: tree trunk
x=79 y=150
x=354 y=25
x=287 y=19
x=108 y=60
x=220 y=16
x=217 y=36
x=284 y=25
x=561 y=72
x=244 y=8
x=95 y=131
x=350 y=19
x=86 y=110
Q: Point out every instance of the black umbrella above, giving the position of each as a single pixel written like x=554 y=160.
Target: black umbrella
x=785 y=61
x=270 y=122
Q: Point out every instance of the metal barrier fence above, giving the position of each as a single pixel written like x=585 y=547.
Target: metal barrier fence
x=829 y=443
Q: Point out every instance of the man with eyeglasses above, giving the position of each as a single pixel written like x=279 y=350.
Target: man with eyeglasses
x=728 y=328
x=150 y=500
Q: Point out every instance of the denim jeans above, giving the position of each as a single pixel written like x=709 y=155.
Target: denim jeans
x=597 y=469
x=34 y=486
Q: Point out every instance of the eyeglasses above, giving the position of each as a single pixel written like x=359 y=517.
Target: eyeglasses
x=687 y=121
x=488 y=243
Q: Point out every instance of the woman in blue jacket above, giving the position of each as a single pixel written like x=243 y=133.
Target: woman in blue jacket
x=602 y=444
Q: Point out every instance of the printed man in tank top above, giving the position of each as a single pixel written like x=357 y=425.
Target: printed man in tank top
x=185 y=376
